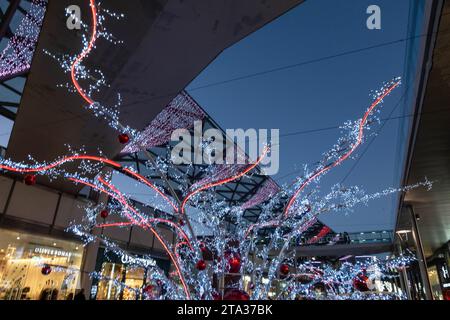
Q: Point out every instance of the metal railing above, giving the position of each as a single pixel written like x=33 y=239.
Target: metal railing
x=382 y=236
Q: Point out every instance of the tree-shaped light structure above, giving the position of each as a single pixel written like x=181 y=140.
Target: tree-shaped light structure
x=233 y=254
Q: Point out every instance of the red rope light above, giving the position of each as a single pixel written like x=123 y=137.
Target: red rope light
x=347 y=154
x=224 y=181
x=107 y=161
x=156 y=234
x=159 y=220
x=334 y=164
x=84 y=53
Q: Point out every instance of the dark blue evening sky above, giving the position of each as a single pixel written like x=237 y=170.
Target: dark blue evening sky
x=323 y=94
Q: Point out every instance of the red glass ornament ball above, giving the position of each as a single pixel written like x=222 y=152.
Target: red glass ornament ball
x=30 y=179
x=233 y=260
x=284 y=269
x=46 y=270
x=123 y=138
x=235 y=264
x=447 y=295
x=201 y=265
x=360 y=283
x=104 y=214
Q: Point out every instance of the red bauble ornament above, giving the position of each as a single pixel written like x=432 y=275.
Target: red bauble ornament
x=148 y=288
x=216 y=296
x=236 y=294
x=234 y=262
x=104 y=214
x=235 y=265
x=203 y=247
x=123 y=138
x=148 y=292
x=201 y=265
x=360 y=283
x=30 y=179
x=46 y=270
x=446 y=295
x=284 y=269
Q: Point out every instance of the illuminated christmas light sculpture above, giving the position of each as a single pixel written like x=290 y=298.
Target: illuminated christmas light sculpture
x=237 y=253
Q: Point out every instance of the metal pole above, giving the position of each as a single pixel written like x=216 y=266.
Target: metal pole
x=420 y=255
x=403 y=275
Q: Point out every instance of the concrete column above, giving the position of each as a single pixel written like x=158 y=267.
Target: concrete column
x=420 y=255
x=88 y=266
x=404 y=283
x=90 y=256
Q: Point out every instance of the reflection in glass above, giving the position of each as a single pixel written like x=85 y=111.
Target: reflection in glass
x=38 y=268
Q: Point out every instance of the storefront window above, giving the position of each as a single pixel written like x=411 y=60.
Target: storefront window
x=35 y=267
x=134 y=280
x=120 y=279
x=434 y=282
x=108 y=287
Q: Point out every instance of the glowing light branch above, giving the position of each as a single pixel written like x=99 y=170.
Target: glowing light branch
x=342 y=150
x=363 y=280
x=72 y=64
x=336 y=153
x=223 y=180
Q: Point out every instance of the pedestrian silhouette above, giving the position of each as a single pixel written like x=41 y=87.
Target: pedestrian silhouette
x=80 y=295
